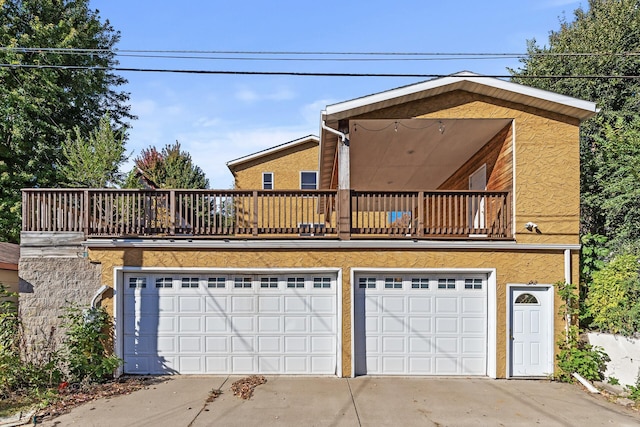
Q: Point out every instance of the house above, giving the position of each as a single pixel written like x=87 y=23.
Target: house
x=9 y=256
x=445 y=212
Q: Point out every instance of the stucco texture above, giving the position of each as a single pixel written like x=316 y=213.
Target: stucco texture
x=285 y=165
x=546 y=153
x=541 y=267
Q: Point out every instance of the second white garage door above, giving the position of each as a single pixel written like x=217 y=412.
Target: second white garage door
x=420 y=324
x=216 y=323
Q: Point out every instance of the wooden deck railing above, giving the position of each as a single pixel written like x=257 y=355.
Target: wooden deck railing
x=266 y=213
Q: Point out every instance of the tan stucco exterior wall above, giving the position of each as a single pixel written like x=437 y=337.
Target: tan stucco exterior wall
x=285 y=165
x=547 y=159
x=512 y=267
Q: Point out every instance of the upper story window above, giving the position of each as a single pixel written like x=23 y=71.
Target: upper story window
x=267 y=180
x=309 y=180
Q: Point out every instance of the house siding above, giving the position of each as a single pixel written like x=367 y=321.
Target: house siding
x=547 y=159
x=285 y=165
x=512 y=267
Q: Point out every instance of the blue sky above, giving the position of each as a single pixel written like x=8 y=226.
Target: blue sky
x=218 y=118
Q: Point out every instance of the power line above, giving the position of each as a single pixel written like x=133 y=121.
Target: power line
x=307 y=74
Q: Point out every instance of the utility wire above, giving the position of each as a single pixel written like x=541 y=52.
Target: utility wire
x=308 y=74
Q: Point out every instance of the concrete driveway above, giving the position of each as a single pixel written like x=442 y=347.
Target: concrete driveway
x=365 y=401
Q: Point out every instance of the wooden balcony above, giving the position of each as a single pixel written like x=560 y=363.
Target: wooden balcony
x=116 y=213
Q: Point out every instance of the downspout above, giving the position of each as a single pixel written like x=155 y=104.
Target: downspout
x=344 y=182
x=567 y=279
x=98 y=294
x=342 y=136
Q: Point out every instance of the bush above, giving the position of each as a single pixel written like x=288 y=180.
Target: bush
x=613 y=299
x=88 y=332
x=22 y=373
x=576 y=355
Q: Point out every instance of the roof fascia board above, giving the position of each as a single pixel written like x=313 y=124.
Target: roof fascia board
x=467 y=81
x=272 y=150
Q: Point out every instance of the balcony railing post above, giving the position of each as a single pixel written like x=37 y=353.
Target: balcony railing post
x=172 y=212
x=85 y=218
x=254 y=219
x=344 y=214
x=421 y=206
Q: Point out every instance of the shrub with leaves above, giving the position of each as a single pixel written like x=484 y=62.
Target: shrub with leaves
x=88 y=332
x=613 y=299
x=22 y=372
x=576 y=355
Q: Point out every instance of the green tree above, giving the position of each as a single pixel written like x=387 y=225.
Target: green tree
x=94 y=161
x=169 y=168
x=596 y=42
x=41 y=101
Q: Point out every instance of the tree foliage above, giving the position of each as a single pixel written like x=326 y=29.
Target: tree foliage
x=598 y=40
x=93 y=162
x=613 y=302
x=39 y=106
x=169 y=168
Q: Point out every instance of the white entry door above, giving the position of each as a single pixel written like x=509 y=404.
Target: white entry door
x=531 y=338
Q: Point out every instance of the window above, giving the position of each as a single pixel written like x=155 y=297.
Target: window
x=268 y=282
x=267 y=180
x=189 y=282
x=137 y=282
x=308 y=180
x=526 y=299
x=473 y=283
x=295 y=282
x=321 y=282
x=164 y=282
x=367 y=282
x=216 y=282
x=419 y=283
x=446 y=283
x=242 y=282
x=393 y=282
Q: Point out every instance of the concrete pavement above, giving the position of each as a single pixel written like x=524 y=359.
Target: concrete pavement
x=181 y=401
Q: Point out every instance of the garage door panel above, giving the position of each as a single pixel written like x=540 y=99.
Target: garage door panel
x=420 y=365
x=323 y=324
x=217 y=345
x=243 y=344
x=162 y=325
x=295 y=324
x=270 y=345
x=189 y=345
x=447 y=305
x=270 y=304
x=420 y=324
x=189 y=324
x=473 y=305
x=296 y=304
x=392 y=324
x=447 y=325
x=393 y=344
x=269 y=324
x=191 y=304
x=216 y=324
x=166 y=345
x=296 y=364
x=322 y=305
x=190 y=364
x=419 y=305
x=323 y=345
x=243 y=364
x=215 y=304
x=391 y=304
x=243 y=325
x=420 y=345
x=240 y=304
x=217 y=364
x=269 y=364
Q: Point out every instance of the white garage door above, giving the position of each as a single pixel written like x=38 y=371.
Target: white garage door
x=420 y=324
x=221 y=323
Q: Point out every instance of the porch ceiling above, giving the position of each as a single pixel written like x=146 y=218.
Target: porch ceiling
x=414 y=154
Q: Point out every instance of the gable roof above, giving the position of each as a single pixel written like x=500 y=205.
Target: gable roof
x=9 y=256
x=470 y=82
x=232 y=164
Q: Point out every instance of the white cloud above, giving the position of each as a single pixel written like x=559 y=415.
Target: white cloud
x=246 y=94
